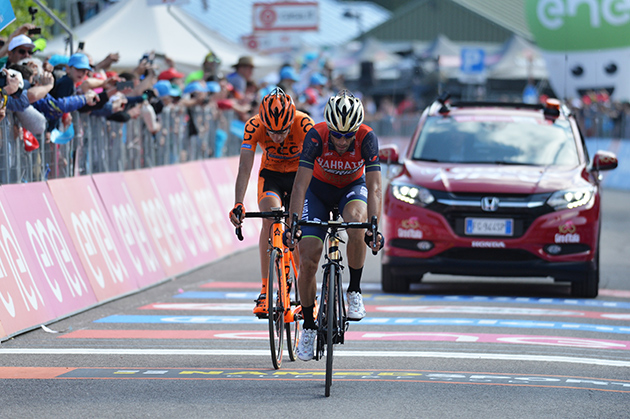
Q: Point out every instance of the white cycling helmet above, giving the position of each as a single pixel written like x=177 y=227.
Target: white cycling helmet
x=344 y=112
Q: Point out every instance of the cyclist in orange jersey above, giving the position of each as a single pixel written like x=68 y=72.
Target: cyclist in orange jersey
x=279 y=129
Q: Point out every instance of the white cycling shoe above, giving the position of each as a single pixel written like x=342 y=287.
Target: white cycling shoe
x=306 y=346
x=356 y=309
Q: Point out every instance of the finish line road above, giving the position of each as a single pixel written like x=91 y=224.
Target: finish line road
x=454 y=347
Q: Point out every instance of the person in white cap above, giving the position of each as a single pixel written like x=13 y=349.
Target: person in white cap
x=20 y=47
x=13 y=45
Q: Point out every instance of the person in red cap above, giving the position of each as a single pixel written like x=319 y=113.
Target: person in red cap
x=175 y=77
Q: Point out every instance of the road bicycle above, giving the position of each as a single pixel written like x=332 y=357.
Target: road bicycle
x=332 y=321
x=283 y=306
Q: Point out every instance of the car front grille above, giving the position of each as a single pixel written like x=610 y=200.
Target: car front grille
x=523 y=209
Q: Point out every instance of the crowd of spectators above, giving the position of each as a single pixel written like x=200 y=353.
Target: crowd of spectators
x=42 y=92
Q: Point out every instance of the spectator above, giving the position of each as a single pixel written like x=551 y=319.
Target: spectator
x=173 y=76
x=166 y=92
x=210 y=66
x=244 y=71
x=20 y=46
x=315 y=97
x=288 y=77
x=68 y=85
x=40 y=82
x=29 y=117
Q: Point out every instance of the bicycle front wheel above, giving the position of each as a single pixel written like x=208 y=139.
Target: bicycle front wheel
x=330 y=325
x=293 y=328
x=275 y=307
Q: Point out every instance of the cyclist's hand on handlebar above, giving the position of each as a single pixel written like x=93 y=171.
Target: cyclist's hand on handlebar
x=374 y=246
x=290 y=241
x=237 y=214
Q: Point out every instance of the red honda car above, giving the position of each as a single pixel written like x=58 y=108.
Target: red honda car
x=494 y=189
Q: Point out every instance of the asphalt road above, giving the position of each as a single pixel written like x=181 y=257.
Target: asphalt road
x=455 y=347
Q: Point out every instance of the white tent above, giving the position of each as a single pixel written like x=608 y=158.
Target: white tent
x=132 y=28
x=519 y=60
x=347 y=59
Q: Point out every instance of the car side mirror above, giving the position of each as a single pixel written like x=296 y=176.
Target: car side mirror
x=388 y=154
x=604 y=160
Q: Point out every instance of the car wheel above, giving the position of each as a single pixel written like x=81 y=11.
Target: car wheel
x=589 y=286
x=391 y=283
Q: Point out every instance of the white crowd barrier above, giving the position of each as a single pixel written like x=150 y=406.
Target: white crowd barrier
x=70 y=244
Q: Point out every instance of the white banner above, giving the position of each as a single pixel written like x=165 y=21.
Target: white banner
x=271 y=42
x=286 y=16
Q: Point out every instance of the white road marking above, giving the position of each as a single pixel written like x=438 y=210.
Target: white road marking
x=358 y=354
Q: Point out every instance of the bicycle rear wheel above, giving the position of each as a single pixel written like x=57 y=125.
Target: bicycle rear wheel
x=275 y=308
x=330 y=325
x=293 y=328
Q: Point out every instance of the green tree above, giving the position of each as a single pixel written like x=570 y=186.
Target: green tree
x=22 y=16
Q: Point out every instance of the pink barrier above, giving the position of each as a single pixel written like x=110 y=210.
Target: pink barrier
x=43 y=277
x=214 y=218
x=108 y=267
x=133 y=235
x=69 y=244
x=222 y=174
x=170 y=250
x=182 y=211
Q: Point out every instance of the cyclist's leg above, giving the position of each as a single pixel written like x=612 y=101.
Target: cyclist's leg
x=353 y=207
x=268 y=197
x=311 y=246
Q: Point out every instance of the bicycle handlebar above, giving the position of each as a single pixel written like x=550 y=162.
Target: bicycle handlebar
x=372 y=225
x=275 y=214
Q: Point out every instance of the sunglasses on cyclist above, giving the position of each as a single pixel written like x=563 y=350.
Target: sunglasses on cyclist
x=25 y=51
x=340 y=135
x=284 y=131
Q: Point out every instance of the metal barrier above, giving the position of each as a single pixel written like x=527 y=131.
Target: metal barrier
x=100 y=145
x=186 y=134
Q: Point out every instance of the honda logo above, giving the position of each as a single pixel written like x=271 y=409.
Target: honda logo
x=489 y=203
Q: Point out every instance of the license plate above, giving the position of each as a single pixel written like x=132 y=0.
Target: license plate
x=489 y=226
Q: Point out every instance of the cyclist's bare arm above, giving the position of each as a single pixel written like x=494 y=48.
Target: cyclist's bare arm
x=300 y=185
x=375 y=195
x=373 y=183
x=245 y=165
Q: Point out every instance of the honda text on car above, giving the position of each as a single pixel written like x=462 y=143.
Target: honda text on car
x=494 y=189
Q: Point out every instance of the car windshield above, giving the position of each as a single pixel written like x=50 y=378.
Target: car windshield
x=497 y=140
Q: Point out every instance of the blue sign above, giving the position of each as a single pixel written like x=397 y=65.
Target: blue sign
x=7 y=16
x=472 y=61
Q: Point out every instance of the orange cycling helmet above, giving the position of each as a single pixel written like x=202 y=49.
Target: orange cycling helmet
x=277 y=111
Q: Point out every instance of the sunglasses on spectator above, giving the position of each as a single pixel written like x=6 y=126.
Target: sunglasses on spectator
x=284 y=131
x=25 y=51
x=2 y=43
x=340 y=135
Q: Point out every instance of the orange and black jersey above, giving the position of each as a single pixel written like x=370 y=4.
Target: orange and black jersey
x=329 y=166
x=283 y=157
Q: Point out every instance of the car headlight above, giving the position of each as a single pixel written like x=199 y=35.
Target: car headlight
x=571 y=198
x=410 y=194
